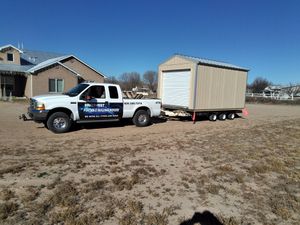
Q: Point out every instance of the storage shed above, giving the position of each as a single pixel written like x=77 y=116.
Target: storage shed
x=196 y=84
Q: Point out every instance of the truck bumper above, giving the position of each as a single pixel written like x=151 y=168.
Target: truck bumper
x=38 y=115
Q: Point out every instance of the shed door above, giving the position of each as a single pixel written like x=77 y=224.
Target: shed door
x=176 y=88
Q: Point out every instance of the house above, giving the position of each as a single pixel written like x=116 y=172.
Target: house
x=282 y=92
x=28 y=73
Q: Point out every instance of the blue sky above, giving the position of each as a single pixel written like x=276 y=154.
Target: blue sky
x=123 y=36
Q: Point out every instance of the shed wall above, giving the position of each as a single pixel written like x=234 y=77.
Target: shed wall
x=220 y=88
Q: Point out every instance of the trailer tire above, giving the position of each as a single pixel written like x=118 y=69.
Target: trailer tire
x=141 y=118
x=212 y=117
x=222 y=116
x=231 y=116
x=59 y=122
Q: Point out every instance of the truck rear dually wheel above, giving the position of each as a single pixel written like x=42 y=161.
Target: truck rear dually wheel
x=141 y=118
x=59 y=122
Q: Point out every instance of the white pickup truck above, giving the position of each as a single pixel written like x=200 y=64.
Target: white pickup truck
x=90 y=102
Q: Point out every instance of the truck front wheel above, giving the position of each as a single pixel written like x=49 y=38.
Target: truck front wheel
x=59 y=122
x=141 y=118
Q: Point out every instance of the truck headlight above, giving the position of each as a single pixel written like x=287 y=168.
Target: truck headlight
x=40 y=106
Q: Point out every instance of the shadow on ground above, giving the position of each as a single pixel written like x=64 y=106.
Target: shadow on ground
x=122 y=123
x=205 y=218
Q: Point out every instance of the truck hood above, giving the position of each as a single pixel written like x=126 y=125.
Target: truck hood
x=50 y=97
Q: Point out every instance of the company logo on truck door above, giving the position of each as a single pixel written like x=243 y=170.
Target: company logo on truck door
x=100 y=110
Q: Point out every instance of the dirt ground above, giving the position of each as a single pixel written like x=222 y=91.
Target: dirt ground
x=245 y=171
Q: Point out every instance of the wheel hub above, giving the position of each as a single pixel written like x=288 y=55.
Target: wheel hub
x=59 y=123
x=142 y=118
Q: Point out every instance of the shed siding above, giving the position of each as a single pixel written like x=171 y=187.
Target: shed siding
x=220 y=89
x=40 y=82
x=86 y=72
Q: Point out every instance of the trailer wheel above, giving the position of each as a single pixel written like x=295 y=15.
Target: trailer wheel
x=59 y=122
x=141 y=118
x=222 y=116
x=212 y=117
x=231 y=116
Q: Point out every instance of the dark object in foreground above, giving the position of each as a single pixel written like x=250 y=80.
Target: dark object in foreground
x=205 y=218
x=24 y=118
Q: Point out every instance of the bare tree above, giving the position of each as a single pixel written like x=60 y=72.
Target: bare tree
x=259 y=84
x=150 y=79
x=130 y=80
x=112 y=80
x=292 y=89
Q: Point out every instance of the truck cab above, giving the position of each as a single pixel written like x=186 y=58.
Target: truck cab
x=91 y=103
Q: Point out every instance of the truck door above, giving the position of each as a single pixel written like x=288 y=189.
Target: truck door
x=94 y=104
x=116 y=101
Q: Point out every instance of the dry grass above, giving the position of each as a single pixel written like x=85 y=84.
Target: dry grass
x=249 y=175
x=6 y=194
x=65 y=195
x=12 y=169
x=135 y=215
x=8 y=209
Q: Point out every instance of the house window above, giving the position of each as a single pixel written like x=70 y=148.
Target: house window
x=10 y=57
x=56 y=85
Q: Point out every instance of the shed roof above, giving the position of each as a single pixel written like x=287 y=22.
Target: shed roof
x=211 y=62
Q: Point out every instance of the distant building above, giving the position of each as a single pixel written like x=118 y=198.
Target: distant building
x=282 y=92
x=28 y=73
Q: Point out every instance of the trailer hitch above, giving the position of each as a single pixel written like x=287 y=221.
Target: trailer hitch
x=24 y=118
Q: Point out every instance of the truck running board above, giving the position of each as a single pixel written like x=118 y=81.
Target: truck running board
x=97 y=121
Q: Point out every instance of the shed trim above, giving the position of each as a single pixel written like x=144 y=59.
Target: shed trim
x=195 y=86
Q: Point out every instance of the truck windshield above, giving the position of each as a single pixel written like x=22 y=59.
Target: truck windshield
x=76 y=90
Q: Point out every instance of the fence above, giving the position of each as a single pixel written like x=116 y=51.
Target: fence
x=275 y=96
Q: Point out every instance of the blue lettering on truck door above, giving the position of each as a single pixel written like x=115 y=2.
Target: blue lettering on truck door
x=100 y=111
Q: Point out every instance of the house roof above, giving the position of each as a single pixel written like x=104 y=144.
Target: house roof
x=33 y=61
x=9 y=46
x=58 y=60
x=36 y=57
x=46 y=63
x=211 y=62
x=14 y=68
